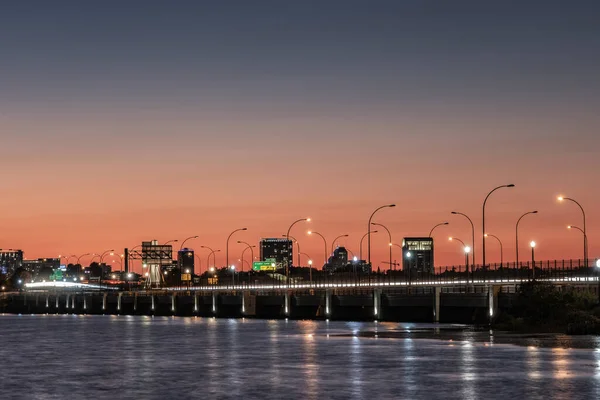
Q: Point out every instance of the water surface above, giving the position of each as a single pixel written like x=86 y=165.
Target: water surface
x=130 y=357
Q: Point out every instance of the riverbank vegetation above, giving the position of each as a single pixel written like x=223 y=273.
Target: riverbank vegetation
x=543 y=307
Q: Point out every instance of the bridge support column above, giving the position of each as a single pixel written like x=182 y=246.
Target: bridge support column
x=286 y=309
x=173 y=303
x=67 y=306
x=25 y=299
x=73 y=302
x=248 y=303
x=84 y=302
x=47 y=303
x=493 y=301
x=214 y=302
x=152 y=300
x=104 y=301
x=135 y=300
x=119 y=301
x=437 y=292
x=327 y=303
x=37 y=300
x=377 y=303
x=57 y=300
x=196 y=303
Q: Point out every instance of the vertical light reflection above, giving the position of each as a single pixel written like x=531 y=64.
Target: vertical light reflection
x=274 y=355
x=311 y=365
x=532 y=362
x=560 y=363
x=213 y=355
x=468 y=371
x=356 y=372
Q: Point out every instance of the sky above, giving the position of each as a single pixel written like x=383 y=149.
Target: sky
x=139 y=120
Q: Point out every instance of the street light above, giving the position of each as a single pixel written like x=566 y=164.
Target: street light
x=467 y=250
x=440 y=224
x=483 y=212
x=361 y=242
x=390 y=242
x=287 y=236
x=190 y=238
x=585 y=255
x=584 y=237
x=517 y=235
x=464 y=247
x=212 y=253
x=232 y=275
x=335 y=240
x=248 y=246
x=170 y=241
x=227 y=244
x=324 y=242
x=532 y=244
x=501 y=250
x=472 y=234
x=79 y=258
x=369 y=230
x=103 y=254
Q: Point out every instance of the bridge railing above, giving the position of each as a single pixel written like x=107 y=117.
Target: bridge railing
x=567 y=270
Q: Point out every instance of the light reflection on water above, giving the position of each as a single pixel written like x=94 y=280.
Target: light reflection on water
x=95 y=357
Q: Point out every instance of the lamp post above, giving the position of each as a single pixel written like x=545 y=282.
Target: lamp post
x=212 y=253
x=517 y=236
x=501 y=250
x=532 y=244
x=199 y=263
x=585 y=256
x=190 y=238
x=584 y=239
x=104 y=254
x=464 y=247
x=361 y=242
x=369 y=230
x=227 y=244
x=324 y=242
x=483 y=219
x=335 y=240
x=170 y=241
x=232 y=275
x=287 y=236
x=248 y=246
x=79 y=258
x=67 y=258
x=390 y=242
x=472 y=234
x=432 y=229
x=297 y=244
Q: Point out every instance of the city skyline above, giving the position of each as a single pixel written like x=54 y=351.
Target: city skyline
x=163 y=122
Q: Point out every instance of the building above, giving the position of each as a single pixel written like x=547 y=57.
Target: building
x=417 y=255
x=337 y=261
x=154 y=257
x=185 y=261
x=35 y=266
x=10 y=260
x=279 y=251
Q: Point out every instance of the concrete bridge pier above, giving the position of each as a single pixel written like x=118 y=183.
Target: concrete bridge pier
x=214 y=302
x=57 y=297
x=84 y=302
x=377 y=304
x=196 y=303
x=173 y=303
x=135 y=301
x=287 y=304
x=104 y=302
x=47 y=301
x=119 y=301
x=153 y=306
x=437 y=291
x=327 y=303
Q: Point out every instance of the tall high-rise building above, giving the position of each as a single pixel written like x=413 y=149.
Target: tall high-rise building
x=417 y=255
x=34 y=266
x=10 y=260
x=185 y=262
x=279 y=251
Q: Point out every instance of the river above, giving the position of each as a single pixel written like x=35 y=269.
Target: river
x=131 y=357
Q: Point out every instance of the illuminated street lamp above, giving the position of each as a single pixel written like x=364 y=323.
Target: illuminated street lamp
x=79 y=258
x=585 y=256
x=483 y=219
x=212 y=253
x=472 y=234
x=227 y=244
x=170 y=241
x=389 y=243
x=248 y=246
x=517 y=235
x=324 y=244
x=432 y=229
x=369 y=230
x=464 y=248
x=104 y=254
x=467 y=250
x=232 y=275
x=287 y=236
x=532 y=244
x=584 y=240
x=361 y=243
x=190 y=238
x=335 y=240
x=310 y=263
x=501 y=249
x=297 y=244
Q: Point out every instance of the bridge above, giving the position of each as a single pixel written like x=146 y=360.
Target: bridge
x=447 y=296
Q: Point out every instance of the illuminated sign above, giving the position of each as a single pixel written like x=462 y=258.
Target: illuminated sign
x=264 y=266
x=186 y=277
